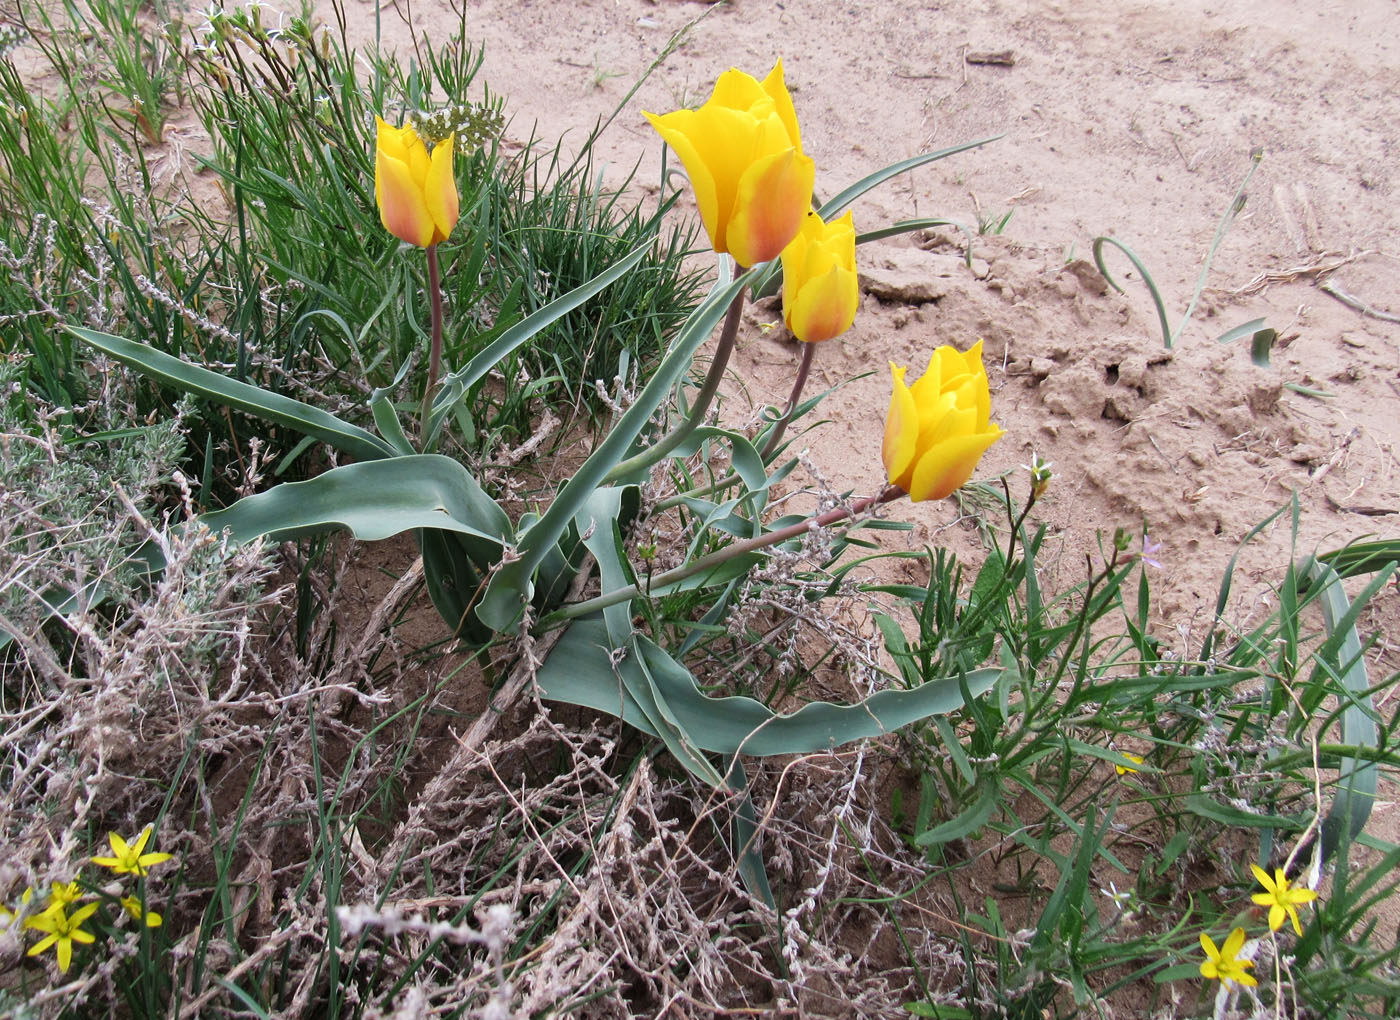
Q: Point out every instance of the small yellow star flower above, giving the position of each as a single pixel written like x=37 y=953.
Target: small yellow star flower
x=1223 y=964
x=1281 y=899
x=127 y=858
x=61 y=930
x=7 y=916
x=1123 y=770
x=133 y=907
x=64 y=895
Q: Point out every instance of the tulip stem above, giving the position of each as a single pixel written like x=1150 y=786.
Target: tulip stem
x=574 y=610
x=800 y=383
x=698 y=411
x=770 y=445
x=435 y=351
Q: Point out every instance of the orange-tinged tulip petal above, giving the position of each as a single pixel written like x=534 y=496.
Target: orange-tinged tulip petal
x=743 y=152
x=820 y=288
x=415 y=190
x=775 y=193
x=938 y=428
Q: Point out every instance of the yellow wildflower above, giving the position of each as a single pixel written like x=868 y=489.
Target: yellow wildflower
x=1224 y=964
x=1282 y=899
x=127 y=858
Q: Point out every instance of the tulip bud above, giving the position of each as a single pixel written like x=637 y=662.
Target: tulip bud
x=743 y=153
x=415 y=191
x=938 y=428
x=820 y=288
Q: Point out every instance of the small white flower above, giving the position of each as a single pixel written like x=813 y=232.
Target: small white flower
x=1121 y=900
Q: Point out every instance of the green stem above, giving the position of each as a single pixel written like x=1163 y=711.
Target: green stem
x=663 y=446
x=714 y=559
x=803 y=371
x=435 y=351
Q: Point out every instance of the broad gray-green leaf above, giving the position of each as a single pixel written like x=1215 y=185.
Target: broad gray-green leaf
x=240 y=396
x=1356 y=782
x=582 y=670
x=373 y=500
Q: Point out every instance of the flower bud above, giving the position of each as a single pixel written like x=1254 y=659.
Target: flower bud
x=415 y=190
x=938 y=428
x=820 y=287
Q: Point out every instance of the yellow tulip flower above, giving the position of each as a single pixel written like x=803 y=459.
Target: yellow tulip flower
x=820 y=287
x=743 y=152
x=938 y=428
x=414 y=189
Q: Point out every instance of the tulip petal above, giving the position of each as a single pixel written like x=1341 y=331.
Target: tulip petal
x=776 y=87
x=775 y=193
x=389 y=140
x=901 y=430
x=679 y=131
x=820 y=311
x=946 y=467
x=440 y=190
x=402 y=208
x=738 y=91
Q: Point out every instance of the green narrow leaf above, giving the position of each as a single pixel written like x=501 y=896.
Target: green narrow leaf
x=1356 y=783
x=972 y=818
x=240 y=396
x=860 y=187
x=1261 y=340
x=744 y=828
x=459 y=383
x=1200 y=804
x=1362 y=557
x=1152 y=290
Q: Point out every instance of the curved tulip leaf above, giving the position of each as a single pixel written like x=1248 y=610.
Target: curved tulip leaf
x=240 y=396
x=373 y=500
x=839 y=203
x=1362 y=557
x=509 y=588
x=582 y=671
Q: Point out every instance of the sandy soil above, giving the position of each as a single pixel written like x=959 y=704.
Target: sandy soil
x=1135 y=120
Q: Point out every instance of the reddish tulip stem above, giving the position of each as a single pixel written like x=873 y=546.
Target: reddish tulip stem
x=714 y=559
x=663 y=446
x=435 y=351
x=780 y=426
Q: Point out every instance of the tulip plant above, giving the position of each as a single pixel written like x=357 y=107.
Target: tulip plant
x=491 y=577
